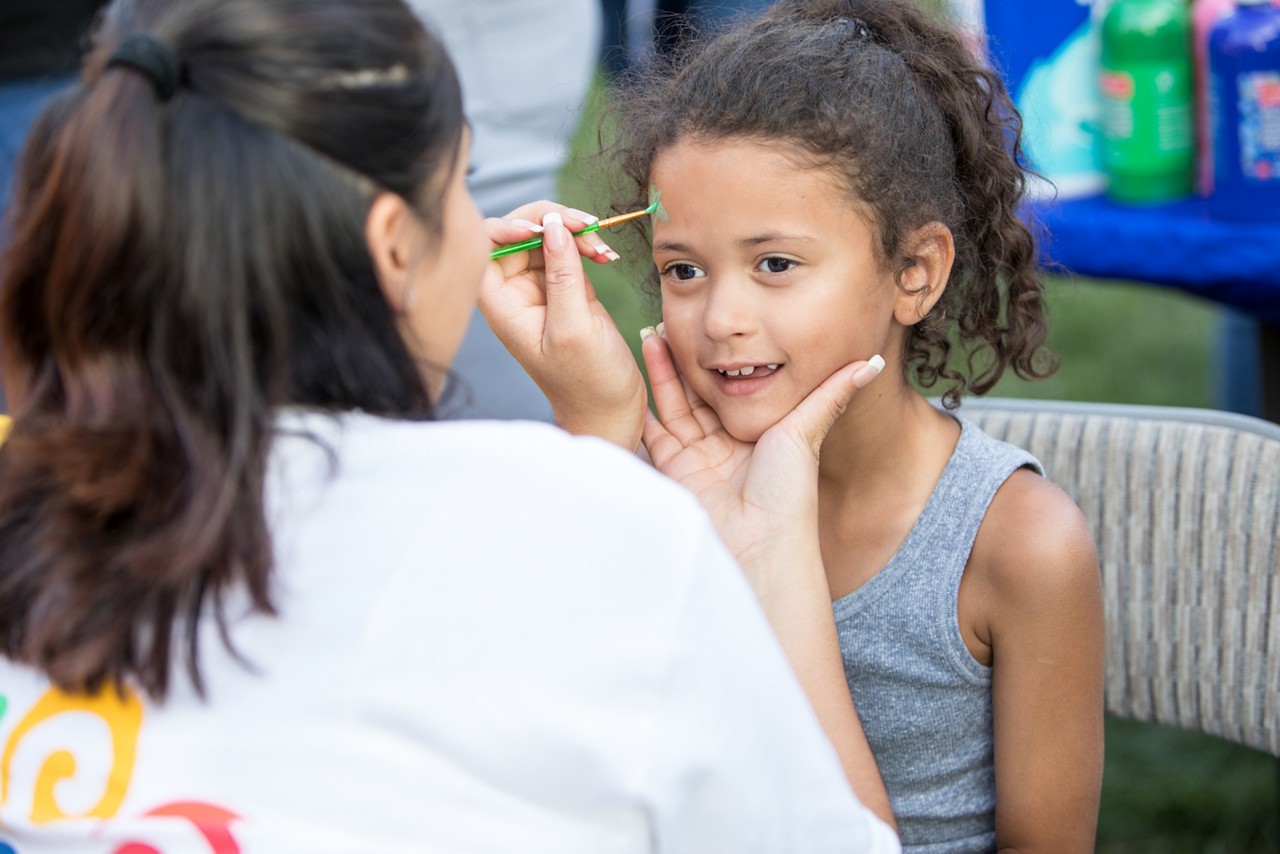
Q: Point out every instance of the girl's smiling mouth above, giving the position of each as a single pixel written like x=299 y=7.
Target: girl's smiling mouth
x=744 y=379
x=748 y=371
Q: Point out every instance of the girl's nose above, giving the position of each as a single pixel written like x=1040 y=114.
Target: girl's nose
x=728 y=312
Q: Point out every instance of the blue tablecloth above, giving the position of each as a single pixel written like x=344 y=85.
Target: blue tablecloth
x=1179 y=245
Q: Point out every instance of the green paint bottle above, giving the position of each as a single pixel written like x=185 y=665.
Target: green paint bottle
x=1146 y=86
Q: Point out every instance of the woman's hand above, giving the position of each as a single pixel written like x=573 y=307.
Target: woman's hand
x=763 y=499
x=543 y=308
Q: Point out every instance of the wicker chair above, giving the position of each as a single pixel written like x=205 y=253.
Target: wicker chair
x=1185 y=507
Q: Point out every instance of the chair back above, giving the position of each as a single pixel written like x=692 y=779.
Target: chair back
x=1184 y=505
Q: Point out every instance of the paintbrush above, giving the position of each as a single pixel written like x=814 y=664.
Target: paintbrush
x=609 y=222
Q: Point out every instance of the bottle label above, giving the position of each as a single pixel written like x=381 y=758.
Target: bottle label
x=1260 y=125
x=1147 y=116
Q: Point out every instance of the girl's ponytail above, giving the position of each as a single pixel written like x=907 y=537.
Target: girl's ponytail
x=919 y=129
x=995 y=299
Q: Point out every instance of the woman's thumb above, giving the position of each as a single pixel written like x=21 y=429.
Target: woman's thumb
x=815 y=415
x=567 y=307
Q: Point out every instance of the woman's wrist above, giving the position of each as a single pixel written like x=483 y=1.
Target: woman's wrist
x=622 y=425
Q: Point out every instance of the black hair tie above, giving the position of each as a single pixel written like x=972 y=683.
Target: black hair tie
x=153 y=59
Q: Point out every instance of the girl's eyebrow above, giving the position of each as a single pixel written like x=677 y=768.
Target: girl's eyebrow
x=755 y=240
x=768 y=238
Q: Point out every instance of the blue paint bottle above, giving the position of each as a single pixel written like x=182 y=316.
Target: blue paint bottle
x=1244 y=102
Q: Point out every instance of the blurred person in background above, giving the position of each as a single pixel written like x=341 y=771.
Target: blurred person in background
x=40 y=47
x=635 y=29
x=41 y=43
x=526 y=67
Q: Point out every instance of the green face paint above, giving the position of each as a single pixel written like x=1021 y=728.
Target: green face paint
x=655 y=204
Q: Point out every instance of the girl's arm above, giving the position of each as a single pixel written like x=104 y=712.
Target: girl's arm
x=737 y=760
x=1042 y=595
x=791 y=584
x=763 y=499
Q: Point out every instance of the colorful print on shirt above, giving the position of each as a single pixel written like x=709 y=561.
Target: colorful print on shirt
x=70 y=758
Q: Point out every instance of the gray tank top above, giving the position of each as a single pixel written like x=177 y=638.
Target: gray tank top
x=924 y=702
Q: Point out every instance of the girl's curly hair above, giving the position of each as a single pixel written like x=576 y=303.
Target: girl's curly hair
x=921 y=131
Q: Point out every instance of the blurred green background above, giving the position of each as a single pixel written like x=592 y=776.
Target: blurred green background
x=1164 y=790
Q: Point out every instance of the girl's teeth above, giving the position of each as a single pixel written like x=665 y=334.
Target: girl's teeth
x=747 y=371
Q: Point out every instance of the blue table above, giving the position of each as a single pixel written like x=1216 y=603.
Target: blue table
x=1175 y=245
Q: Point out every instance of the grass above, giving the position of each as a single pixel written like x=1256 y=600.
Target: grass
x=1125 y=343
x=1164 y=790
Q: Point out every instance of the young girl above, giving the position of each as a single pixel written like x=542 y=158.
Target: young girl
x=840 y=178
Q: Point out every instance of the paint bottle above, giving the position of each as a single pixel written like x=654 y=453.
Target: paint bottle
x=1244 y=102
x=1204 y=15
x=1047 y=52
x=1146 y=88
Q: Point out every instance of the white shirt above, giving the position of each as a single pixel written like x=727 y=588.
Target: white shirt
x=492 y=638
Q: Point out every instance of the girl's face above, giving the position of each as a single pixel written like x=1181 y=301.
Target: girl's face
x=770 y=279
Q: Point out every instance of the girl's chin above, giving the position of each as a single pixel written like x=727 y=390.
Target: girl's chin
x=748 y=419
x=747 y=431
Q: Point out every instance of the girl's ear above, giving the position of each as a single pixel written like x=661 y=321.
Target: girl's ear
x=387 y=230
x=931 y=250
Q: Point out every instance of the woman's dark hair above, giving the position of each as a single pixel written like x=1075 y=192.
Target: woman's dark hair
x=179 y=269
x=919 y=129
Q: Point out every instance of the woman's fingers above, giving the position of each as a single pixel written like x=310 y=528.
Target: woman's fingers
x=658 y=441
x=702 y=411
x=520 y=278
x=511 y=229
x=533 y=212
x=675 y=401
x=813 y=417
x=522 y=224
x=568 y=302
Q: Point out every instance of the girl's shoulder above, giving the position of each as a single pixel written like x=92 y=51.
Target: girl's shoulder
x=1032 y=566
x=1034 y=545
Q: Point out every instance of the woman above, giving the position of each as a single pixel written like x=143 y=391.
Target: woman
x=252 y=598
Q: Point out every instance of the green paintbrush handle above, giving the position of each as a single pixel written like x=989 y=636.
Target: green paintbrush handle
x=534 y=243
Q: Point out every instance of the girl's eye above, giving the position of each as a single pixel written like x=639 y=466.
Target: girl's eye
x=775 y=264
x=683 y=272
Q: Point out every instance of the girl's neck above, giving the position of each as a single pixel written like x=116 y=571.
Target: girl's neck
x=890 y=434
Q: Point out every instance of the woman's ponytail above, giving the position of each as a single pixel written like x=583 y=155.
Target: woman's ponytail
x=186 y=258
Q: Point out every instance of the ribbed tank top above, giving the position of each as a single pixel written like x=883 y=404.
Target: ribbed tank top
x=924 y=702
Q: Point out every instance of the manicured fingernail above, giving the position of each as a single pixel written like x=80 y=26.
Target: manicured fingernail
x=589 y=219
x=524 y=223
x=869 y=371
x=555 y=237
x=646 y=333
x=661 y=329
